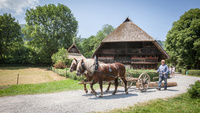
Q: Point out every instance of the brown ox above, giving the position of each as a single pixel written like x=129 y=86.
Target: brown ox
x=105 y=72
x=89 y=78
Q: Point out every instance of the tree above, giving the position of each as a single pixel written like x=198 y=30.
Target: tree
x=61 y=55
x=89 y=45
x=50 y=28
x=60 y=59
x=10 y=36
x=24 y=55
x=183 y=40
x=78 y=40
x=105 y=31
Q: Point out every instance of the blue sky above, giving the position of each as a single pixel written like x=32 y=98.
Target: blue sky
x=153 y=16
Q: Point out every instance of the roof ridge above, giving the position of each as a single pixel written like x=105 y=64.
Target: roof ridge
x=127 y=20
x=128 y=31
x=75 y=47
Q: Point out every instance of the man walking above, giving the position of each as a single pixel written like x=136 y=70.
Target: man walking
x=163 y=74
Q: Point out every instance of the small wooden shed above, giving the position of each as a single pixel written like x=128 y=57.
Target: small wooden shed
x=74 y=52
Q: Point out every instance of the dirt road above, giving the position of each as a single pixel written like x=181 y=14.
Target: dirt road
x=78 y=101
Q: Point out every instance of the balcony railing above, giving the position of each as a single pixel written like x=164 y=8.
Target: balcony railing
x=106 y=59
x=133 y=60
x=130 y=51
x=144 y=60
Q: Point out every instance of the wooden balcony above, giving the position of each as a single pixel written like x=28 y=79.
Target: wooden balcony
x=146 y=60
x=130 y=51
x=133 y=60
x=106 y=59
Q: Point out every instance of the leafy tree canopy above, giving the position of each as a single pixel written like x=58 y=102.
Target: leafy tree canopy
x=50 y=28
x=183 y=40
x=162 y=43
x=61 y=55
x=89 y=45
x=10 y=36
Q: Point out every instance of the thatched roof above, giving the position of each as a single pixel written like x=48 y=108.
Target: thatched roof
x=74 y=52
x=128 y=32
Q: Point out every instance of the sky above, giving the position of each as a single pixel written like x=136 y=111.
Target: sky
x=153 y=16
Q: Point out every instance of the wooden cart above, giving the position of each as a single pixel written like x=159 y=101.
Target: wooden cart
x=142 y=82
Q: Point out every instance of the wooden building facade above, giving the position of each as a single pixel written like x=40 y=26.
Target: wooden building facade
x=130 y=45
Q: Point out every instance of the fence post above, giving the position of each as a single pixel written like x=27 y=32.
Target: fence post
x=66 y=73
x=17 y=79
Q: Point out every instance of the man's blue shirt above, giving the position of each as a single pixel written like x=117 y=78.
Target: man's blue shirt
x=163 y=69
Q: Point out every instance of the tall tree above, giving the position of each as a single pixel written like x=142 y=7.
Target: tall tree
x=89 y=45
x=10 y=35
x=183 y=40
x=78 y=40
x=50 y=28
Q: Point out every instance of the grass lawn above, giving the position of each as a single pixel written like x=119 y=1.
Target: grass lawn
x=27 y=75
x=35 y=81
x=55 y=86
x=180 y=104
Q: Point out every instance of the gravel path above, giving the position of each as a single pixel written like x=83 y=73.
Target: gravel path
x=78 y=101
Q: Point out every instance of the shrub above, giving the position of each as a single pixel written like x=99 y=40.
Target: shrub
x=61 y=56
x=194 y=90
x=180 y=70
x=68 y=62
x=183 y=71
x=59 y=65
x=137 y=73
x=73 y=76
x=194 y=72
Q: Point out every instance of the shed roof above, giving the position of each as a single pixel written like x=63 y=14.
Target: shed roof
x=75 y=55
x=74 y=45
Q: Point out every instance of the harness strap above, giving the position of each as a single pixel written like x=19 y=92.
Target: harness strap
x=106 y=74
x=110 y=68
x=83 y=65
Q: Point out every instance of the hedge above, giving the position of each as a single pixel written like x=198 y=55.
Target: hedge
x=137 y=73
x=72 y=75
x=194 y=72
x=178 y=69
x=183 y=71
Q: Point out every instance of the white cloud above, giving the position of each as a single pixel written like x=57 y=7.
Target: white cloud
x=17 y=6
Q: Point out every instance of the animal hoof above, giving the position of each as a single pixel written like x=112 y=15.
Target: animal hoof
x=86 y=91
x=107 y=90
x=100 y=96
x=91 y=92
x=126 y=92
x=113 y=93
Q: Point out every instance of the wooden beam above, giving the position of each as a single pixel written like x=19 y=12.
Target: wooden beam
x=169 y=84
